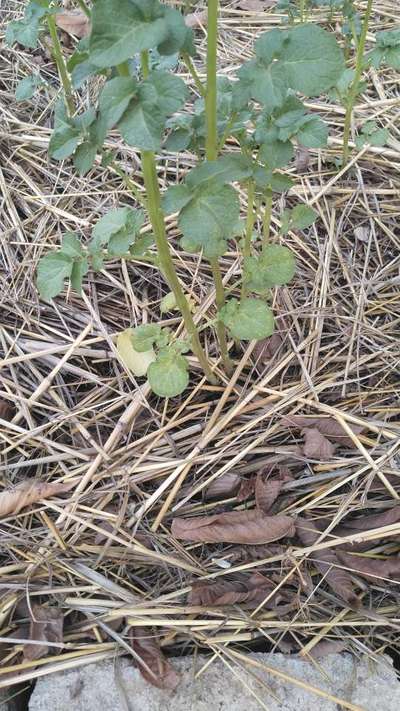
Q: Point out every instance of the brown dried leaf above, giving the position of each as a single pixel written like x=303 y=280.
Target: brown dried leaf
x=323 y=648
x=156 y=669
x=316 y=445
x=261 y=552
x=247 y=489
x=265 y=349
x=6 y=410
x=28 y=492
x=197 y=19
x=327 y=426
x=371 y=568
x=233 y=527
x=302 y=159
x=46 y=626
x=327 y=563
x=74 y=23
x=267 y=491
x=230 y=592
x=224 y=485
x=368 y=523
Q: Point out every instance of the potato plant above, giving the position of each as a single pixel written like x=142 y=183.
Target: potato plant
x=132 y=44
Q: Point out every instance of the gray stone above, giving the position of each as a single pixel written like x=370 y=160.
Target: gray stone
x=117 y=686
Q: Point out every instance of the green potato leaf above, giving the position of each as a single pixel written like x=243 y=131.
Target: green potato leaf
x=146 y=336
x=63 y=142
x=387 y=49
x=52 y=271
x=248 y=319
x=117 y=229
x=178 y=35
x=115 y=98
x=71 y=246
x=142 y=125
x=176 y=197
x=209 y=219
x=229 y=168
x=274 y=267
x=26 y=87
x=84 y=157
x=168 y=375
x=165 y=91
x=26 y=31
x=313 y=133
x=298 y=218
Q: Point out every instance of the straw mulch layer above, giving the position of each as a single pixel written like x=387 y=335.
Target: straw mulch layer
x=91 y=567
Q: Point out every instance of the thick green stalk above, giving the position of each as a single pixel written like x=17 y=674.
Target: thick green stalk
x=267 y=217
x=61 y=65
x=157 y=220
x=212 y=153
x=352 y=96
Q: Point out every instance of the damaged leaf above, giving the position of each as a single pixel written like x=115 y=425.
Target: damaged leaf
x=316 y=445
x=46 y=626
x=233 y=527
x=155 y=668
x=29 y=492
x=328 y=426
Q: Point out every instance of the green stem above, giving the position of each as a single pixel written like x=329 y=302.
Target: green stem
x=211 y=94
x=193 y=72
x=227 y=130
x=352 y=96
x=249 y=228
x=84 y=8
x=267 y=217
x=157 y=220
x=212 y=153
x=145 y=63
x=61 y=65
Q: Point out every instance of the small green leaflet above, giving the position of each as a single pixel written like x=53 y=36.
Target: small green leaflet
x=248 y=319
x=52 y=271
x=298 y=218
x=208 y=220
x=26 y=31
x=26 y=87
x=274 y=267
x=176 y=197
x=230 y=168
x=168 y=375
x=146 y=336
x=84 y=157
x=115 y=97
x=372 y=134
x=387 y=49
x=117 y=229
x=123 y=28
x=71 y=245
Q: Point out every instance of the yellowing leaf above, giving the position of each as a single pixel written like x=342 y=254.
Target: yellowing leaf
x=137 y=362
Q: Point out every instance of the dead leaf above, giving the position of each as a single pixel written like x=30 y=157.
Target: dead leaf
x=233 y=527
x=372 y=568
x=197 y=19
x=367 y=523
x=327 y=426
x=362 y=233
x=247 y=489
x=253 y=588
x=267 y=491
x=28 y=492
x=302 y=159
x=224 y=485
x=46 y=626
x=156 y=669
x=316 y=445
x=6 y=410
x=265 y=349
x=74 y=23
x=327 y=563
x=323 y=648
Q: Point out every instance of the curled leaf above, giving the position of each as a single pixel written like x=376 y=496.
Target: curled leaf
x=224 y=485
x=233 y=527
x=155 y=668
x=28 y=492
x=327 y=563
x=74 y=23
x=46 y=626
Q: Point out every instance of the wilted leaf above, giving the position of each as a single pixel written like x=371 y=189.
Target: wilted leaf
x=156 y=669
x=246 y=589
x=233 y=527
x=224 y=485
x=197 y=19
x=328 y=426
x=371 y=568
x=137 y=362
x=74 y=23
x=316 y=445
x=28 y=492
x=327 y=563
x=46 y=626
